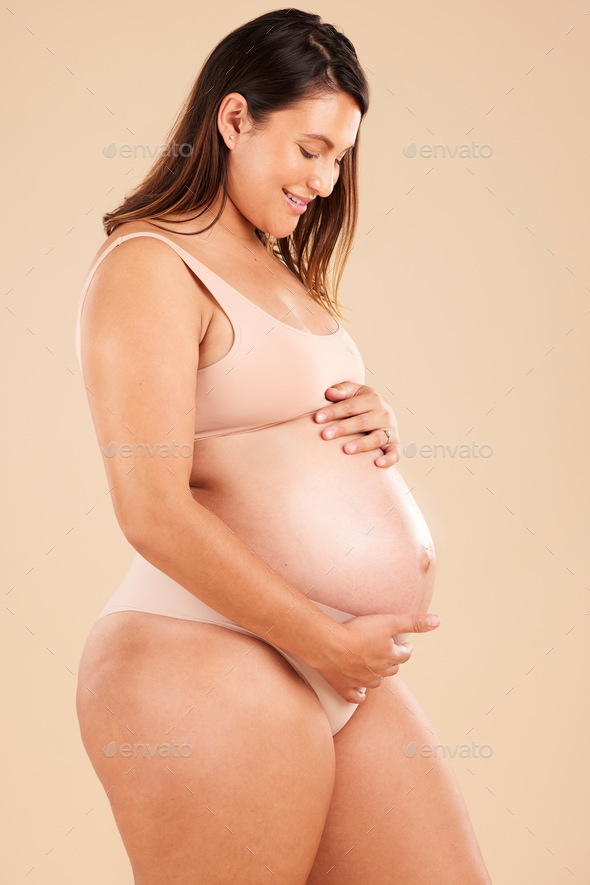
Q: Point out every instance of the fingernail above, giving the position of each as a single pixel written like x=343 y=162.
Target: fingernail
x=321 y=416
x=350 y=447
x=329 y=433
x=380 y=462
x=432 y=620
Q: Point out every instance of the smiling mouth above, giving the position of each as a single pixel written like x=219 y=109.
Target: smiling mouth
x=294 y=199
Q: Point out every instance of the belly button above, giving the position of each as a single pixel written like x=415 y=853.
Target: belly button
x=426 y=558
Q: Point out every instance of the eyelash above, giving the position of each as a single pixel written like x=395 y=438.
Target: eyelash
x=309 y=156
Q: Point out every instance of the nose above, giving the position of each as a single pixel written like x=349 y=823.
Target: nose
x=322 y=180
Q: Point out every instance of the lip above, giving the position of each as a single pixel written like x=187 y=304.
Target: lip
x=299 y=210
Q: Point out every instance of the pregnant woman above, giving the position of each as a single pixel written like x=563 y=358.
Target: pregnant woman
x=239 y=695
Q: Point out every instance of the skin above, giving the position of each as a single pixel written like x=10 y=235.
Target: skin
x=266 y=791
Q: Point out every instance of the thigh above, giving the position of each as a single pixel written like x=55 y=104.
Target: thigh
x=217 y=759
x=395 y=817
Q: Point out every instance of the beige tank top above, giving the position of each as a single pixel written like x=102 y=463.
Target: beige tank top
x=273 y=371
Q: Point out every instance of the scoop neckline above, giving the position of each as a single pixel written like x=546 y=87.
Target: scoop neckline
x=225 y=283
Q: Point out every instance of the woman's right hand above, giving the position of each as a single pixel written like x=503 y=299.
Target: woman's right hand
x=369 y=651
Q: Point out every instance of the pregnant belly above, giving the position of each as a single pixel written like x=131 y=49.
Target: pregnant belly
x=343 y=531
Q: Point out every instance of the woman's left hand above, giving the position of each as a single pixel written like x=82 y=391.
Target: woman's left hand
x=360 y=409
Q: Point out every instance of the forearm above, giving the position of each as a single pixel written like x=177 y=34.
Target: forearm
x=199 y=551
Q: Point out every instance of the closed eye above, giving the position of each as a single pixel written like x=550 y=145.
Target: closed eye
x=309 y=156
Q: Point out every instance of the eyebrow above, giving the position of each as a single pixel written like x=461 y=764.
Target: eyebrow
x=329 y=144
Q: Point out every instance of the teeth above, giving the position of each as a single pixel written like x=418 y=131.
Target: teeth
x=295 y=200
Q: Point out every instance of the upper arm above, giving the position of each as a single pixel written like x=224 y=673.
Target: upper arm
x=141 y=324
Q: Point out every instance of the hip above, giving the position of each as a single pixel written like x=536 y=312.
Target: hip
x=146 y=589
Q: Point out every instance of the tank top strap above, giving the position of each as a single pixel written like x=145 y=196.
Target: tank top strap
x=226 y=295
x=233 y=303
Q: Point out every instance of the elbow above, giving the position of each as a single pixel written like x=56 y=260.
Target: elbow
x=137 y=533
x=147 y=525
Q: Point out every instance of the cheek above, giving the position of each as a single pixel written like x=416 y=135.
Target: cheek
x=259 y=174
x=249 y=184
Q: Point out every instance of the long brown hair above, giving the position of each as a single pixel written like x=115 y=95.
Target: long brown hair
x=274 y=61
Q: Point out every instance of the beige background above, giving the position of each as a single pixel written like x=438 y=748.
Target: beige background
x=468 y=288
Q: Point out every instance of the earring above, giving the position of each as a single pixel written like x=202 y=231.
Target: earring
x=231 y=136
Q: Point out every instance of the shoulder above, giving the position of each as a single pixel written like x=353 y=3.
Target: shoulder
x=142 y=264
x=141 y=285
x=134 y=248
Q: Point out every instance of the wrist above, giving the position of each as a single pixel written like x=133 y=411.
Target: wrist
x=330 y=643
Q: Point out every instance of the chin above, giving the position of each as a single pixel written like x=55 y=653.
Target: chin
x=285 y=230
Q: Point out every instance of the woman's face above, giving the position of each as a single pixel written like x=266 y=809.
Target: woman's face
x=286 y=155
